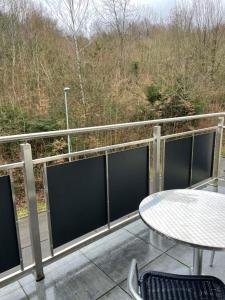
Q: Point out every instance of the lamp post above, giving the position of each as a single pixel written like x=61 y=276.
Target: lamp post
x=66 y=89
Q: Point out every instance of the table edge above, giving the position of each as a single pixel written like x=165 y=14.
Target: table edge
x=181 y=241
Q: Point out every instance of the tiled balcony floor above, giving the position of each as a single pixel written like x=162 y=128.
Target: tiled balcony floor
x=99 y=271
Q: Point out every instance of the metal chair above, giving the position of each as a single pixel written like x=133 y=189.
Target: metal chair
x=163 y=286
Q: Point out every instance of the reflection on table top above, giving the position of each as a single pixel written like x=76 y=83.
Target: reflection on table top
x=194 y=217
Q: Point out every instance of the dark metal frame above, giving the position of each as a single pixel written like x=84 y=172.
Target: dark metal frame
x=216 y=152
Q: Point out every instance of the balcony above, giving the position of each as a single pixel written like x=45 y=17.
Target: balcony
x=94 y=265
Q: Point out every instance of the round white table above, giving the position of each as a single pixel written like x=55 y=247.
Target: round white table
x=192 y=217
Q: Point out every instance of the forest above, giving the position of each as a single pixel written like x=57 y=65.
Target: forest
x=122 y=63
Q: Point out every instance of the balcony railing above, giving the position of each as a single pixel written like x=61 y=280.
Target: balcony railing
x=91 y=197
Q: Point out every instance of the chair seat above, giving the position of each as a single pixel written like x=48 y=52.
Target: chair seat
x=164 y=286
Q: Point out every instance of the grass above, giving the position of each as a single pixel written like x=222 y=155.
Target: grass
x=22 y=210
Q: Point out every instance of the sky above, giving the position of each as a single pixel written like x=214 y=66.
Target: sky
x=162 y=5
x=160 y=8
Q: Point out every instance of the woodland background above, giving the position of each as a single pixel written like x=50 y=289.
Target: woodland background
x=122 y=63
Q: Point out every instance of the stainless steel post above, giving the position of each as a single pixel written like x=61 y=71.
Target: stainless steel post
x=156 y=158
x=218 y=147
x=163 y=165
x=66 y=89
x=107 y=187
x=216 y=162
x=32 y=207
x=45 y=182
x=197 y=268
x=192 y=157
x=149 y=168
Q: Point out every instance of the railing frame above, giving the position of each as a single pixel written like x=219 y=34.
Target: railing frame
x=218 y=147
x=156 y=158
x=158 y=172
x=32 y=208
x=30 y=136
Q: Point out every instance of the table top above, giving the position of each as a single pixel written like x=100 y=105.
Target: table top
x=192 y=217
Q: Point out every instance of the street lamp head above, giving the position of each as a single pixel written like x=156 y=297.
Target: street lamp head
x=66 y=89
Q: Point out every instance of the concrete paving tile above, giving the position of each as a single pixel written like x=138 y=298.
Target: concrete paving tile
x=24 y=229
x=182 y=253
x=139 y=229
x=116 y=294
x=167 y=264
x=73 y=277
x=24 y=232
x=113 y=256
x=12 y=291
x=27 y=253
x=218 y=269
x=43 y=222
x=106 y=243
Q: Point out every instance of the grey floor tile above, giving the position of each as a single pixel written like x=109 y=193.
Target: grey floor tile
x=24 y=229
x=167 y=264
x=116 y=294
x=107 y=242
x=164 y=263
x=27 y=253
x=27 y=256
x=43 y=221
x=24 y=232
x=113 y=256
x=141 y=230
x=73 y=277
x=45 y=248
x=182 y=253
x=218 y=268
x=222 y=166
x=12 y=292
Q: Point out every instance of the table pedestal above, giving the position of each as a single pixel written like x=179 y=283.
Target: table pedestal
x=197 y=265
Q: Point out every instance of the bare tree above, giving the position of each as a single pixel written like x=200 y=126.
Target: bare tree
x=208 y=20
x=73 y=16
x=13 y=13
x=116 y=14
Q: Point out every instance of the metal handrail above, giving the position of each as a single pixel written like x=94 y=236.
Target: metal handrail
x=152 y=142
x=91 y=151
x=181 y=134
x=102 y=149
x=30 y=136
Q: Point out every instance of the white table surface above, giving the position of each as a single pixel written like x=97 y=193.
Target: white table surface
x=192 y=217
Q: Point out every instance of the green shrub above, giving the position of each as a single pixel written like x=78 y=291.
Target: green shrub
x=41 y=124
x=17 y=120
x=152 y=93
x=174 y=100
